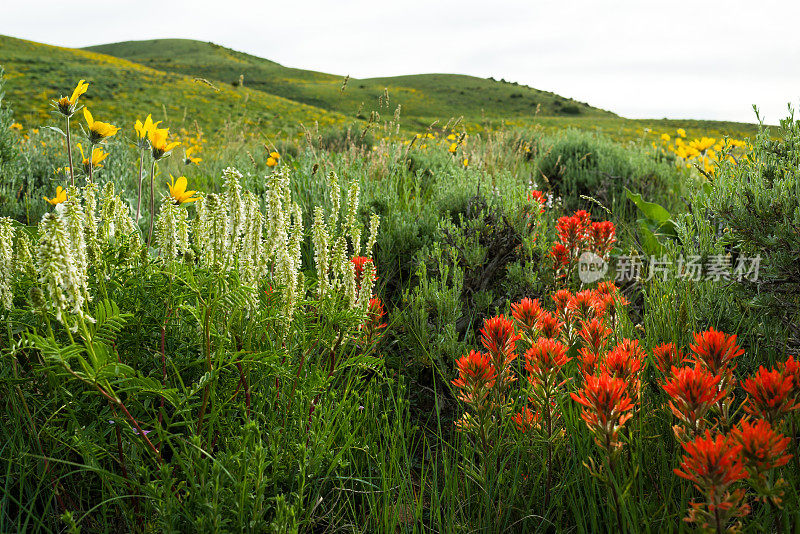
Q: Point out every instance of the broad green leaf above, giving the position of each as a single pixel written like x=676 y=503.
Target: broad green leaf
x=650 y=242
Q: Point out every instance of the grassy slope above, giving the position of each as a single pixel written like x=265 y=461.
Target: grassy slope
x=121 y=90
x=428 y=96
x=424 y=97
x=150 y=74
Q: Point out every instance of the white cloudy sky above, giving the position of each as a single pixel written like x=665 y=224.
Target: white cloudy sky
x=639 y=58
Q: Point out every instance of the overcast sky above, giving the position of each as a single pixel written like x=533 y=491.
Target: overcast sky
x=638 y=58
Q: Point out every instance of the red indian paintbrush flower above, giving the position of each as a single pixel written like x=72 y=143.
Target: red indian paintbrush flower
x=606 y=288
x=769 y=395
x=666 y=357
x=359 y=262
x=605 y=402
x=498 y=335
x=713 y=465
x=716 y=351
x=500 y=339
x=526 y=419
x=693 y=391
x=548 y=325
x=572 y=231
x=602 y=237
x=560 y=256
x=539 y=198
x=611 y=298
x=594 y=335
x=588 y=361
x=584 y=217
x=374 y=325
x=525 y=313
x=544 y=360
x=585 y=305
x=626 y=361
x=561 y=298
x=712 y=462
x=476 y=376
x=763 y=449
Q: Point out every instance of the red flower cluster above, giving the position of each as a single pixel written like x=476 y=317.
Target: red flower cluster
x=543 y=362
x=594 y=335
x=500 y=339
x=538 y=197
x=791 y=368
x=372 y=328
x=586 y=304
x=605 y=402
x=769 y=395
x=359 y=262
x=713 y=464
x=526 y=314
x=666 y=357
x=626 y=361
x=476 y=377
x=716 y=351
x=548 y=325
x=763 y=449
x=694 y=391
x=577 y=234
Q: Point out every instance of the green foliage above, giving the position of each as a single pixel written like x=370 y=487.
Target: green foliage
x=754 y=207
x=656 y=222
x=579 y=164
x=189 y=404
x=429 y=323
x=8 y=145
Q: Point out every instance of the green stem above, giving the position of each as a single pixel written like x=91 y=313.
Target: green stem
x=549 y=454
x=614 y=492
x=69 y=154
x=152 y=203
x=209 y=365
x=139 y=196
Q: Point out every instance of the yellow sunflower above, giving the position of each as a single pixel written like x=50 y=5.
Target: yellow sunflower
x=158 y=142
x=61 y=196
x=98 y=155
x=66 y=106
x=178 y=192
x=98 y=131
x=143 y=129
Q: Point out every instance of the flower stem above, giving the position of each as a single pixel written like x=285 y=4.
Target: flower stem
x=139 y=197
x=614 y=492
x=69 y=154
x=152 y=203
x=549 y=454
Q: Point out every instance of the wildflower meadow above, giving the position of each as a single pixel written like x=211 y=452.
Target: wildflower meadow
x=386 y=327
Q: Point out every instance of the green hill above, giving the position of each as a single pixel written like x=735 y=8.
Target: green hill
x=121 y=91
x=424 y=97
x=185 y=82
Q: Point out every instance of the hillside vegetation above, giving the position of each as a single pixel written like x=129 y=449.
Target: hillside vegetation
x=204 y=87
x=122 y=89
x=428 y=96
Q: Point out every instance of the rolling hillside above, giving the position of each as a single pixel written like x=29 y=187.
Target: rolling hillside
x=422 y=96
x=185 y=82
x=121 y=91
